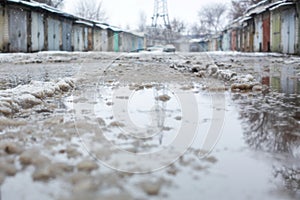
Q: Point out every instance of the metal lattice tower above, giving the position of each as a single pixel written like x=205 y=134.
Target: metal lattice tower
x=161 y=12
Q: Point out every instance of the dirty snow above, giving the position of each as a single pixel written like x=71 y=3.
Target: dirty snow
x=56 y=130
x=28 y=96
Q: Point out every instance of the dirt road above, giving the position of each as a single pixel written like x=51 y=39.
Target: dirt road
x=149 y=126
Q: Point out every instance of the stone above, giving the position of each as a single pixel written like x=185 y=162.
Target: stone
x=163 y=98
x=43 y=173
x=12 y=148
x=151 y=188
x=8 y=168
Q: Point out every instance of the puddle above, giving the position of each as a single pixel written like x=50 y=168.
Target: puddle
x=23 y=187
x=256 y=156
x=281 y=78
x=145 y=113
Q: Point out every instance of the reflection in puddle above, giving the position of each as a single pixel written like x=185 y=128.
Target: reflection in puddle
x=140 y=116
x=280 y=78
x=270 y=126
x=159 y=122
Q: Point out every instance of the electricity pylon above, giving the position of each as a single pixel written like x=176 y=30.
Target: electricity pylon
x=161 y=29
x=161 y=12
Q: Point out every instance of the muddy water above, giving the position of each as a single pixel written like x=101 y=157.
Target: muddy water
x=136 y=105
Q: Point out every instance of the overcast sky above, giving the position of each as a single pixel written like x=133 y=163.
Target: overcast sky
x=126 y=12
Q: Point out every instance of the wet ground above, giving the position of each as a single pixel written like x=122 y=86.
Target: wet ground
x=149 y=126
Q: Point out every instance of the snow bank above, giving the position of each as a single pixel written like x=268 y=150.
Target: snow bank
x=248 y=54
x=237 y=82
x=28 y=96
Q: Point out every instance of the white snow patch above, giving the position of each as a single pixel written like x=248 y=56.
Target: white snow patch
x=251 y=54
x=28 y=96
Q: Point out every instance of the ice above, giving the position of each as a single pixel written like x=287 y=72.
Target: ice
x=227 y=74
x=235 y=53
x=32 y=94
x=87 y=165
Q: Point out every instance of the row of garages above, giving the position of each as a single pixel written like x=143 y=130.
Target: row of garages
x=28 y=26
x=270 y=26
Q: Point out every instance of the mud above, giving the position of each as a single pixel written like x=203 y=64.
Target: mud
x=59 y=122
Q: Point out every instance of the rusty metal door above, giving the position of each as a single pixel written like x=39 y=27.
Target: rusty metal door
x=110 y=36
x=245 y=45
x=251 y=36
x=85 y=39
x=104 y=40
x=17 y=30
x=276 y=32
x=2 y=22
x=78 y=38
x=67 y=35
x=258 y=34
x=37 y=31
x=140 y=43
x=53 y=34
x=3 y=29
x=288 y=31
x=226 y=41
x=266 y=32
x=240 y=39
x=97 y=39
x=90 y=39
x=116 y=42
x=233 y=40
x=133 y=43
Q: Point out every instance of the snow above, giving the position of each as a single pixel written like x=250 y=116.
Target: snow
x=283 y=4
x=83 y=22
x=236 y=53
x=32 y=94
x=38 y=5
x=116 y=29
x=102 y=26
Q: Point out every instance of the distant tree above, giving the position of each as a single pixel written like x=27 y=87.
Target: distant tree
x=178 y=26
x=142 y=22
x=127 y=27
x=238 y=7
x=197 y=30
x=53 y=3
x=212 y=17
x=90 y=9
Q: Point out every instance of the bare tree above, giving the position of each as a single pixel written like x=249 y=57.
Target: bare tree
x=142 y=22
x=238 y=7
x=53 y=3
x=178 y=26
x=127 y=27
x=91 y=9
x=212 y=17
x=197 y=30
